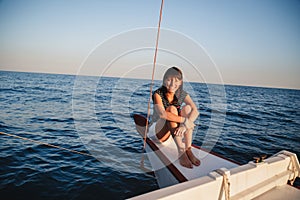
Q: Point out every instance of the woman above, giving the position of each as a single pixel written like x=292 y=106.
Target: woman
x=171 y=118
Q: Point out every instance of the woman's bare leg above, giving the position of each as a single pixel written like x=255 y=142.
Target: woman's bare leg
x=183 y=158
x=163 y=131
x=192 y=157
x=189 y=137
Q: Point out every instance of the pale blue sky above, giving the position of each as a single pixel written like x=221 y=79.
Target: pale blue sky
x=253 y=42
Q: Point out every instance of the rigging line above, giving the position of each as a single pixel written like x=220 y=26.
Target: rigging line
x=46 y=144
x=152 y=79
x=58 y=147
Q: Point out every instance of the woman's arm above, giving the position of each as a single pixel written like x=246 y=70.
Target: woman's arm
x=159 y=107
x=194 y=113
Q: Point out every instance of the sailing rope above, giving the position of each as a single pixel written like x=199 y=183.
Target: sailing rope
x=226 y=186
x=293 y=165
x=54 y=146
x=46 y=144
x=152 y=81
x=226 y=183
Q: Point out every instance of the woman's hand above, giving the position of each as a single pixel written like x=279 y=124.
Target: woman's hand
x=189 y=124
x=180 y=131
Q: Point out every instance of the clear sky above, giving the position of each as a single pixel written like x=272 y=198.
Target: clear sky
x=252 y=42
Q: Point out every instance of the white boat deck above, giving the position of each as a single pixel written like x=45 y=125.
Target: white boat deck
x=169 y=155
x=209 y=161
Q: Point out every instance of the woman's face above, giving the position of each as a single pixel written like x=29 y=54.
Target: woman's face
x=172 y=83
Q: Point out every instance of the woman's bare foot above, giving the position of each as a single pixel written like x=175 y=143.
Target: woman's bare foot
x=192 y=157
x=184 y=160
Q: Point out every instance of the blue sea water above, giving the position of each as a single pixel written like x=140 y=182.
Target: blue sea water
x=93 y=115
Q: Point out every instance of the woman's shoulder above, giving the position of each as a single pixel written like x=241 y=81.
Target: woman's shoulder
x=184 y=93
x=182 y=96
x=159 y=91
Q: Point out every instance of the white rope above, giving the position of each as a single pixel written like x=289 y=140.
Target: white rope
x=294 y=169
x=293 y=165
x=226 y=183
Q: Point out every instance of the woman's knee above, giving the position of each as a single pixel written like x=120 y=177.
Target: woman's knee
x=172 y=109
x=186 y=110
x=172 y=125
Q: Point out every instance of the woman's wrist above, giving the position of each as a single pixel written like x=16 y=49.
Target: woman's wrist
x=183 y=120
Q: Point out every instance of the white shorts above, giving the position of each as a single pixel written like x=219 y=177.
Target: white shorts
x=151 y=133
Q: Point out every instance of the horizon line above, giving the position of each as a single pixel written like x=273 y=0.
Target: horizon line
x=141 y=78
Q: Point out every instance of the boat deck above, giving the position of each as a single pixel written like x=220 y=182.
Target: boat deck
x=168 y=155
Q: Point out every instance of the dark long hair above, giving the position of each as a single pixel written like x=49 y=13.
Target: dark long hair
x=175 y=72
